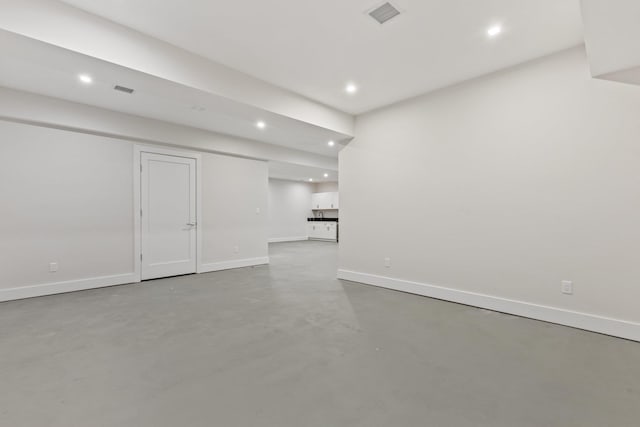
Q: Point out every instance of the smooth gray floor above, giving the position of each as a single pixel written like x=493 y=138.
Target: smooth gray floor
x=288 y=345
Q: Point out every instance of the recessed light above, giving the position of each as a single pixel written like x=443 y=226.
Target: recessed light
x=326 y=175
x=261 y=125
x=351 y=88
x=85 y=78
x=331 y=143
x=494 y=31
x=310 y=179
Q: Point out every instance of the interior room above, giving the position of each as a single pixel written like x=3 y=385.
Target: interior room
x=332 y=213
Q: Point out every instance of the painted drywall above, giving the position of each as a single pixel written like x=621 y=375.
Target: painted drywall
x=26 y=107
x=234 y=208
x=325 y=187
x=62 y=25
x=502 y=186
x=611 y=35
x=67 y=197
x=289 y=208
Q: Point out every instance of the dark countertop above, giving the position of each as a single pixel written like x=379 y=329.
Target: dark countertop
x=323 y=219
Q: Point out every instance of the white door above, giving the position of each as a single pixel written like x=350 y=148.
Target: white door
x=168 y=198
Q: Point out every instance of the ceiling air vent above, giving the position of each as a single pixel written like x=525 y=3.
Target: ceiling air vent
x=384 y=13
x=123 y=89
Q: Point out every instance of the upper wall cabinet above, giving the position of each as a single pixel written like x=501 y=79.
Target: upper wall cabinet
x=320 y=201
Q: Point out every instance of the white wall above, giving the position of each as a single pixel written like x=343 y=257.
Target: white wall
x=289 y=208
x=325 y=187
x=500 y=188
x=67 y=197
x=233 y=190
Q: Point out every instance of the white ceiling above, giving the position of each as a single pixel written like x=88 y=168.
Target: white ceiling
x=293 y=172
x=612 y=36
x=38 y=67
x=315 y=47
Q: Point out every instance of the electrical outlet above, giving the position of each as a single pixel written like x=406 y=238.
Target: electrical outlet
x=53 y=267
x=236 y=249
x=387 y=262
x=257 y=211
x=566 y=287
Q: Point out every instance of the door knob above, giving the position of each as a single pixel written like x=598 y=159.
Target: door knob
x=191 y=224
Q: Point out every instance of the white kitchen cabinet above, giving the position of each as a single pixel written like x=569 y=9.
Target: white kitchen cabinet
x=332 y=231
x=315 y=201
x=313 y=229
x=319 y=201
x=323 y=230
x=335 y=201
x=324 y=201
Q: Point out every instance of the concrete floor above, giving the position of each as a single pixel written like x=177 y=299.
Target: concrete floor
x=289 y=345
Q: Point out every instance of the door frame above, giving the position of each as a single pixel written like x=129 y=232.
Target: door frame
x=138 y=149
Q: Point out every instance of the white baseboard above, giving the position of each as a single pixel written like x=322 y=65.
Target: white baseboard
x=287 y=239
x=589 y=322
x=236 y=263
x=66 y=286
x=31 y=291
